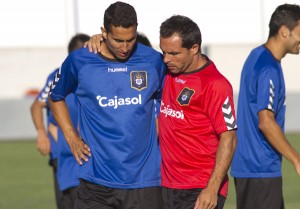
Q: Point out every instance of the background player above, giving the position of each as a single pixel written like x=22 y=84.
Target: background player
x=50 y=141
x=256 y=165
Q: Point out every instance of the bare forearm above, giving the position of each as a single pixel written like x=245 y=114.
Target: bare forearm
x=274 y=134
x=80 y=150
x=53 y=131
x=208 y=197
x=61 y=114
x=37 y=116
x=224 y=156
x=42 y=140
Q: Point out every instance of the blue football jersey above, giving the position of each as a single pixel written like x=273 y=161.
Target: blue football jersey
x=43 y=97
x=262 y=87
x=67 y=166
x=116 y=114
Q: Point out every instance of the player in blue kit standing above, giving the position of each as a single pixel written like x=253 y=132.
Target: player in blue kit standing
x=67 y=166
x=46 y=141
x=256 y=166
x=118 y=146
x=61 y=158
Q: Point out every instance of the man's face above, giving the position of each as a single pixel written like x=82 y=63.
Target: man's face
x=177 y=59
x=293 y=41
x=120 y=42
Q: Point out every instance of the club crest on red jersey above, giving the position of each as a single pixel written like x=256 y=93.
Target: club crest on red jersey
x=185 y=96
x=138 y=80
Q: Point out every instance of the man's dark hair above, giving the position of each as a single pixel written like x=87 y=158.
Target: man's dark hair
x=77 y=42
x=141 y=38
x=119 y=14
x=183 y=26
x=284 y=15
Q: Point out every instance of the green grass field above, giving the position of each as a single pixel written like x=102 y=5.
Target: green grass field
x=26 y=180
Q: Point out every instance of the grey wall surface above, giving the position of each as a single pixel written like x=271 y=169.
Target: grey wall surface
x=16 y=120
x=16 y=123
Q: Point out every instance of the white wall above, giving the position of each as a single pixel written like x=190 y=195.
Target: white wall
x=22 y=69
x=34 y=34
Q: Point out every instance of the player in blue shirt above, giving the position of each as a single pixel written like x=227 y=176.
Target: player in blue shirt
x=256 y=166
x=67 y=166
x=117 y=147
x=61 y=158
x=47 y=136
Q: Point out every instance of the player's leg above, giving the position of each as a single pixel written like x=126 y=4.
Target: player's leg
x=69 y=198
x=57 y=192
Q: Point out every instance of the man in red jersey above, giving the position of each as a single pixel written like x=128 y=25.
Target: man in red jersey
x=196 y=122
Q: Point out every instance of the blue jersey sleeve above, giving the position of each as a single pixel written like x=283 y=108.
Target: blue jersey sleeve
x=267 y=90
x=43 y=95
x=65 y=80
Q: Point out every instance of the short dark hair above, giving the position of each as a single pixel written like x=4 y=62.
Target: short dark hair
x=186 y=28
x=141 y=38
x=77 y=41
x=287 y=15
x=119 y=14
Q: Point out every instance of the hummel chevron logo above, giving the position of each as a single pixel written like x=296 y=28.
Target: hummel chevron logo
x=55 y=80
x=44 y=95
x=228 y=116
x=272 y=95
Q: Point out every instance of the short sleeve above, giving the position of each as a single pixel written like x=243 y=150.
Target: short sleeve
x=220 y=106
x=267 y=90
x=65 y=80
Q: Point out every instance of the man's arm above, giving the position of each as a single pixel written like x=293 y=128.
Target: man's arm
x=208 y=197
x=61 y=114
x=272 y=131
x=42 y=141
x=52 y=129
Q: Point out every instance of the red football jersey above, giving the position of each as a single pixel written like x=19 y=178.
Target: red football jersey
x=196 y=107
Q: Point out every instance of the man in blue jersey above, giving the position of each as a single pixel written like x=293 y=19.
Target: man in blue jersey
x=117 y=147
x=256 y=165
x=46 y=141
x=51 y=141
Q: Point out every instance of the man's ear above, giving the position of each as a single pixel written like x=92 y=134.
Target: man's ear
x=284 y=31
x=104 y=33
x=195 y=48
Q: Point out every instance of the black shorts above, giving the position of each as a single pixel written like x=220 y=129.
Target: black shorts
x=259 y=193
x=69 y=198
x=185 y=198
x=91 y=196
x=58 y=194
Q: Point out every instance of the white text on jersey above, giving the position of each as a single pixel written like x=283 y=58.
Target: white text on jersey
x=116 y=102
x=178 y=80
x=116 y=70
x=167 y=111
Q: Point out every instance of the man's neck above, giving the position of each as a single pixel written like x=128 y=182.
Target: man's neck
x=276 y=47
